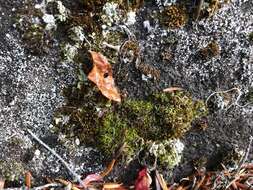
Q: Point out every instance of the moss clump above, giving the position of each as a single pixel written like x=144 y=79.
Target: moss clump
x=82 y=114
x=174 y=16
x=94 y=5
x=161 y=117
x=115 y=133
x=174 y=114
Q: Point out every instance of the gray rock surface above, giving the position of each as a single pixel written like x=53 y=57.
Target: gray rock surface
x=30 y=88
x=30 y=91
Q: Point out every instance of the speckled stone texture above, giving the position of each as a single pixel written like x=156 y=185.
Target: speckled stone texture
x=30 y=91
x=30 y=87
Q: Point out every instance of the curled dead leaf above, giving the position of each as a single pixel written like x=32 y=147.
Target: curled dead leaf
x=101 y=75
x=90 y=178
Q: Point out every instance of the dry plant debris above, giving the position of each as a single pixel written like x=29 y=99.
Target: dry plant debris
x=28 y=177
x=211 y=50
x=172 y=89
x=235 y=178
x=174 y=16
x=101 y=75
x=143 y=180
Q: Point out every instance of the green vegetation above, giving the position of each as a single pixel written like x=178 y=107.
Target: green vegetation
x=162 y=117
x=158 y=120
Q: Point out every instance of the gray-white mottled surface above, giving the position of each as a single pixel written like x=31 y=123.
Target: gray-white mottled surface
x=30 y=91
x=30 y=86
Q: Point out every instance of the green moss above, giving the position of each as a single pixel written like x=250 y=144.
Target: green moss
x=160 y=118
x=36 y=39
x=113 y=133
x=174 y=113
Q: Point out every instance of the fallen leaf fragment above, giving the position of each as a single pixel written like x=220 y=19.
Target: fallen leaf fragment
x=161 y=181
x=67 y=183
x=1 y=184
x=172 y=89
x=28 y=177
x=143 y=180
x=113 y=186
x=101 y=75
x=90 y=178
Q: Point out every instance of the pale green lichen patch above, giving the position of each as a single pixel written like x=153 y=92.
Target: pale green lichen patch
x=166 y=153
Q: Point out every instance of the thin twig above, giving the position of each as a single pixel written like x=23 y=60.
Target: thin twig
x=47 y=186
x=87 y=41
x=73 y=173
x=226 y=91
x=116 y=48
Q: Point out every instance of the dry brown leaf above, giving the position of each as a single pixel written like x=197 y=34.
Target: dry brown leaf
x=101 y=75
x=172 y=89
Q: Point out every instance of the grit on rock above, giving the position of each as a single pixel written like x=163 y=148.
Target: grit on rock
x=30 y=91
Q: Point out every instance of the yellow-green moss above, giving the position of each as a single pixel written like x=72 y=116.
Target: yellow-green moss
x=115 y=132
x=158 y=118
